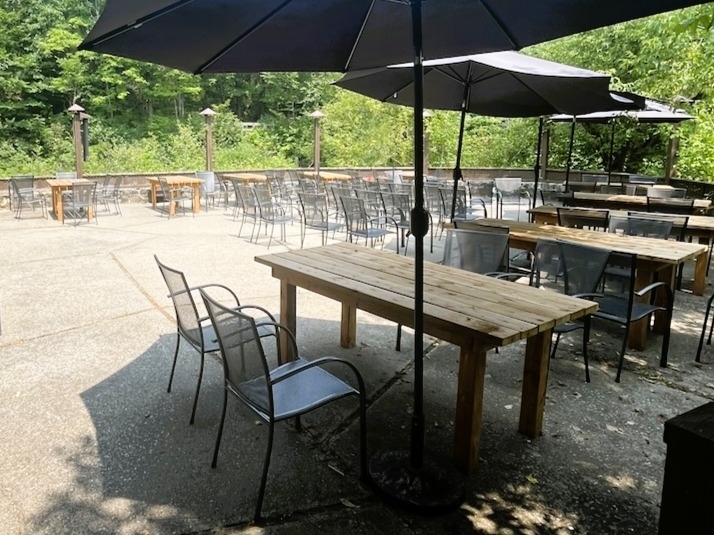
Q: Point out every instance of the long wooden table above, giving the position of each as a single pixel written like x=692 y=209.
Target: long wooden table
x=474 y=312
x=174 y=182
x=57 y=187
x=329 y=175
x=653 y=256
x=619 y=202
x=698 y=226
x=246 y=178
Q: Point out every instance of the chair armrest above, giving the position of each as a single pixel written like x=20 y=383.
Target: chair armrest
x=263 y=310
x=214 y=285
x=647 y=289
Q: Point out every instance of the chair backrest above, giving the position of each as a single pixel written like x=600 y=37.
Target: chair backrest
x=670 y=206
x=509 y=186
x=580 y=267
x=164 y=185
x=476 y=251
x=83 y=194
x=66 y=175
x=313 y=208
x=588 y=218
x=354 y=212
x=209 y=181
x=447 y=198
x=679 y=222
x=246 y=370
x=641 y=225
x=666 y=193
x=22 y=186
x=187 y=318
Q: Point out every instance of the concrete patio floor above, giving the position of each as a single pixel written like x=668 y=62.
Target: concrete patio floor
x=91 y=442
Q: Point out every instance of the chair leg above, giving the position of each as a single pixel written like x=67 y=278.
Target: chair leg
x=173 y=366
x=264 y=478
x=214 y=463
x=363 y=435
x=198 y=389
x=555 y=346
x=704 y=330
x=622 y=353
x=399 y=338
x=586 y=339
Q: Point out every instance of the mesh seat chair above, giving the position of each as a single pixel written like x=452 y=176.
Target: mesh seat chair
x=579 y=269
x=110 y=193
x=270 y=212
x=480 y=195
x=583 y=218
x=175 y=195
x=277 y=392
x=314 y=215
x=399 y=206
x=434 y=204
x=360 y=224
x=670 y=206
x=195 y=329
x=82 y=203
x=626 y=307
x=641 y=225
x=23 y=193
x=510 y=192
x=210 y=188
x=478 y=251
x=246 y=204
x=464 y=210
x=519 y=260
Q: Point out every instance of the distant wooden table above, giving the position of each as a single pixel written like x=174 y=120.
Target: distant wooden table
x=474 y=312
x=618 y=202
x=60 y=185
x=178 y=181
x=247 y=178
x=329 y=175
x=653 y=256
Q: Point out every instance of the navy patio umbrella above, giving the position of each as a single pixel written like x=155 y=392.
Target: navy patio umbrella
x=499 y=84
x=339 y=35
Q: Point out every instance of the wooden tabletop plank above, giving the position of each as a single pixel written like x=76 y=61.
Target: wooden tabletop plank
x=664 y=251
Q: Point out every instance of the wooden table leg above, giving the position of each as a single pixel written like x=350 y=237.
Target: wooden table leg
x=700 y=273
x=57 y=204
x=535 y=384
x=288 y=318
x=348 y=328
x=196 y=198
x=469 y=408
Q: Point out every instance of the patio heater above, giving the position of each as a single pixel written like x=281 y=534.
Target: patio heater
x=208 y=115
x=316 y=116
x=76 y=110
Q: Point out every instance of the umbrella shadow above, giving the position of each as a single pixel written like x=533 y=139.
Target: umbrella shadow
x=145 y=469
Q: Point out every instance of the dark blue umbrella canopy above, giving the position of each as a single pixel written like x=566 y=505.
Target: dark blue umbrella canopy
x=339 y=35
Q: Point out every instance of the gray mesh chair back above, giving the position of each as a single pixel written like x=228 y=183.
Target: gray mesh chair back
x=360 y=224
x=276 y=393
x=631 y=305
x=23 y=193
x=476 y=251
x=670 y=206
x=83 y=203
x=667 y=193
x=111 y=193
x=270 y=212
x=641 y=225
x=679 y=222
x=580 y=268
x=314 y=214
x=248 y=205
x=584 y=218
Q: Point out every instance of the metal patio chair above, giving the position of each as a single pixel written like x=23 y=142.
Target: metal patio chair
x=314 y=215
x=110 y=193
x=211 y=189
x=23 y=193
x=82 y=203
x=361 y=224
x=196 y=329
x=510 y=192
x=276 y=392
x=176 y=195
x=270 y=212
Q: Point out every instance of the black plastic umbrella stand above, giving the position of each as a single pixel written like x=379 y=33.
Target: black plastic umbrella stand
x=433 y=489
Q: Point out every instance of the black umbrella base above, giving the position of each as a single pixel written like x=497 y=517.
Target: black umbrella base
x=437 y=488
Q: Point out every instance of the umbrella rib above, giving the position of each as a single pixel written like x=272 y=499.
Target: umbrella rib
x=359 y=36
x=134 y=25
x=242 y=36
x=500 y=24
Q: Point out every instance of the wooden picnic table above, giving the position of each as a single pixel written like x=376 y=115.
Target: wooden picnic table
x=174 y=182
x=618 y=201
x=247 y=178
x=58 y=186
x=661 y=257
x=475 y=312
x=329 y=175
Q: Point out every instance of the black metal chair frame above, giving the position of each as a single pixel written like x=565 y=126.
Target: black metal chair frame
x=284 y=392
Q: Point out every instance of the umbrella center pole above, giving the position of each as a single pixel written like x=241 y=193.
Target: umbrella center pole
x=410 y=479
